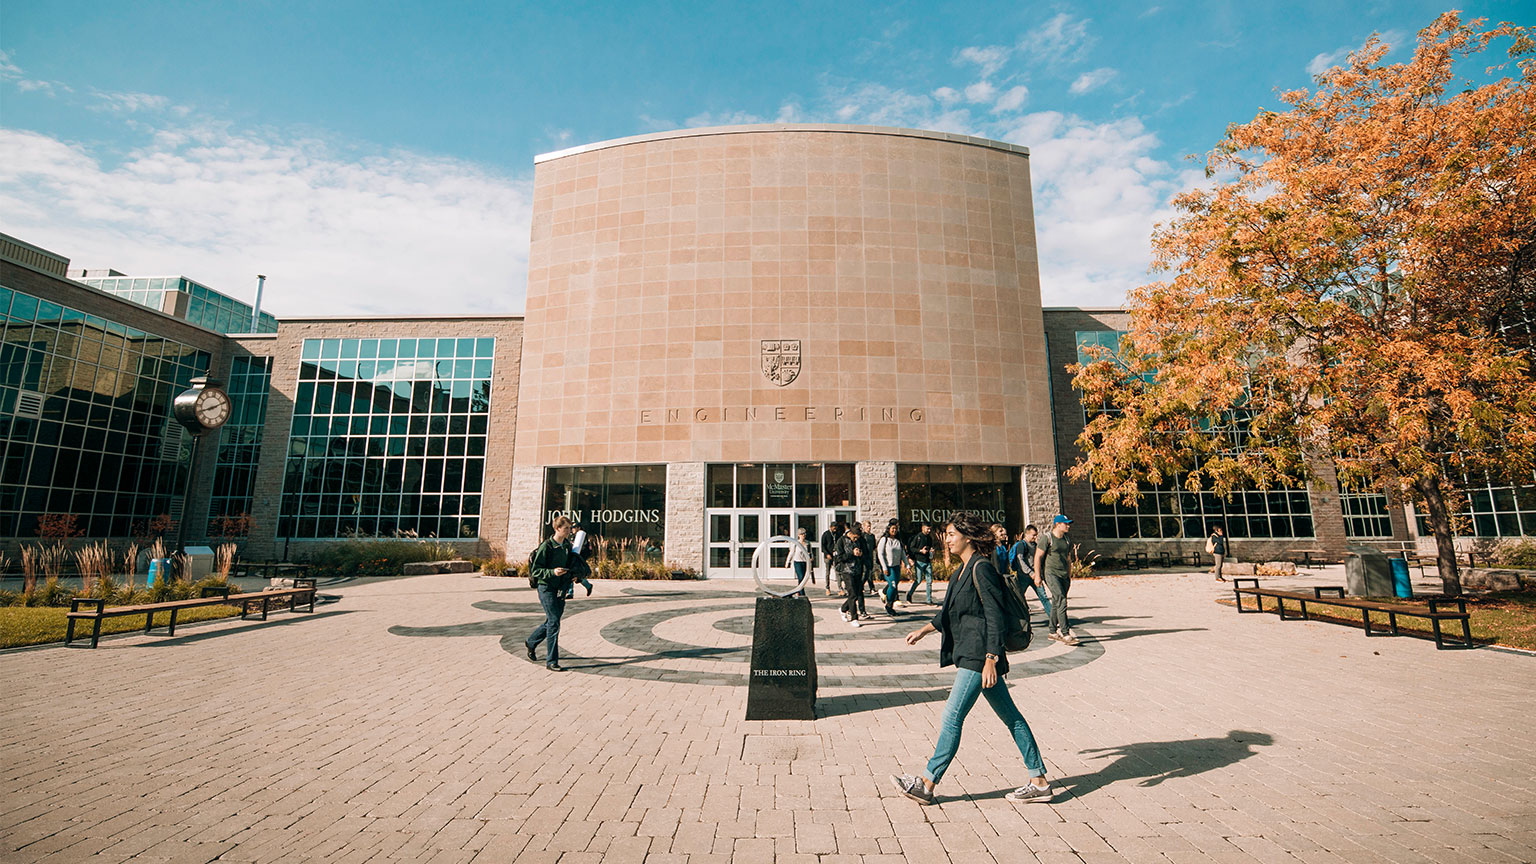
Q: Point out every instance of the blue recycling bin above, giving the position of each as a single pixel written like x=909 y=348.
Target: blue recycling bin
x=1401 y=587
x=159 y=568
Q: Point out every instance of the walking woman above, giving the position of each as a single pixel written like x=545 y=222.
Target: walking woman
x=891 y=554
x=800 y=559
x=972 y=624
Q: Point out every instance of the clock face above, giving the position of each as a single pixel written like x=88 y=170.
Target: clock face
x=212 y=408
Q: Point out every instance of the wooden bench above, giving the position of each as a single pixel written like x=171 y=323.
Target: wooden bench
x=1333 y=595
x=302 y=592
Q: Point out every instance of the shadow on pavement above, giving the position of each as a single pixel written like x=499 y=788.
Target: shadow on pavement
x=1129 y=634
x=1152 y=762
x=289 y=618
x=855 y=703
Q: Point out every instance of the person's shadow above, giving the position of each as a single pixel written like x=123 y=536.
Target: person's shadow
x=1152 y=762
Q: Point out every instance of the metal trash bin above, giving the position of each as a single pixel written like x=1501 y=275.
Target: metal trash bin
x=1367 y=573
x=199 y=563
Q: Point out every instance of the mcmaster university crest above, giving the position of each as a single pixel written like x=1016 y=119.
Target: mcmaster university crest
x=781 y=360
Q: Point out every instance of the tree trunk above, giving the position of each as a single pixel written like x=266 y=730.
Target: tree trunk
x=1440 y=524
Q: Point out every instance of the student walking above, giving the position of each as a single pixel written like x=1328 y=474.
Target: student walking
x=800 y=559
x=1053 y=560
x=920 y=550
x=972 y=625
x=850 y=559
x=868 y=539
x=829 y=540
x=1023 y=563
x=891 y=553
x=580 y=569
x=1216 y=545
x=549 y=567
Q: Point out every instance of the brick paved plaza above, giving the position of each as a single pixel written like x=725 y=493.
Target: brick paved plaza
x=403 y=723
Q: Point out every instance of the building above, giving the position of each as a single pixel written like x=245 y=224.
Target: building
x=730 y=333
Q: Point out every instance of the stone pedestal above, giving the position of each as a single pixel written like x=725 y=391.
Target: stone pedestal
x=782 y=685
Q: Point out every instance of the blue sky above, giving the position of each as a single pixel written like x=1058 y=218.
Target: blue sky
x=377 y=157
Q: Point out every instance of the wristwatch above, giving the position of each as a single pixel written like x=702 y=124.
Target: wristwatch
x=991 y=656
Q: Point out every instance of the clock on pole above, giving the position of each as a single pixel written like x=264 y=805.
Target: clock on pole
x=201 y=409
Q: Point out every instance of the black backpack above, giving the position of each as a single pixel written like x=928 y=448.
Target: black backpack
x=1017 y=629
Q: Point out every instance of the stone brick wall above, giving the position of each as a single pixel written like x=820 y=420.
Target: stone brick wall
x=876 y=485
x=1042 y=494
x=525 y=513
x=683 y=542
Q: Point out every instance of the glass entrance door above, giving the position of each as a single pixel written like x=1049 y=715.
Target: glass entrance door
x=734 y=536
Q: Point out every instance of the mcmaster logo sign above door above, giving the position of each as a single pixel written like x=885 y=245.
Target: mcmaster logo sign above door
x=781 y=360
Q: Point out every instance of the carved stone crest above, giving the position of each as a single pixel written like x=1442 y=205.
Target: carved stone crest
x=781 y=360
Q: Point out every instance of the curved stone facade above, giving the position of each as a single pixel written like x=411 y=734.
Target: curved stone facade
x=782 y=293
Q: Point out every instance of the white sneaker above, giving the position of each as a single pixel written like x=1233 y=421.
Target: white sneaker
x=855 y=623
x=846 y=617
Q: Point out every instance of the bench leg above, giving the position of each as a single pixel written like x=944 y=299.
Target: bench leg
x=1466 y=631
x=1365 y=619
x=265 y=603
x=1434 y=624
x=1392 y=619
x=1304 y=616
x=96 y=631
x=311 y=601
x=69 y=632
x=245 y=609
x=172 y=630
x=149 y=622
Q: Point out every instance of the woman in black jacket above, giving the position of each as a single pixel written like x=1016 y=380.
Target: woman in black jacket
x=972 y=624
x=852 y=564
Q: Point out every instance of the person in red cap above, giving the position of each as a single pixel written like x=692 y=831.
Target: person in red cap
x=1053 y=560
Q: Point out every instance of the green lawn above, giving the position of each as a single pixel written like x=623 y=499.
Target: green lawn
x=37 y=625
x=1506 y=618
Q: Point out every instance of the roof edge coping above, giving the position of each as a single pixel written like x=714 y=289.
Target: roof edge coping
x=705 y=131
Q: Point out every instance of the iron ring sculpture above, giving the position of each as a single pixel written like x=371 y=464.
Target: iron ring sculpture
x=758 y=558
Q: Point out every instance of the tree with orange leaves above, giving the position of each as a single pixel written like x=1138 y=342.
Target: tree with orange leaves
x=1357 y=283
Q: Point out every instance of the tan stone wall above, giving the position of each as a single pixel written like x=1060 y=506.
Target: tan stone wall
x=904 y=264
x=286 y=347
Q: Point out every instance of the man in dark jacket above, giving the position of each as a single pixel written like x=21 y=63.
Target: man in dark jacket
x=829 y=540
x=549 y=569
x=850 y=558
x=920 y=550
x=867 y=537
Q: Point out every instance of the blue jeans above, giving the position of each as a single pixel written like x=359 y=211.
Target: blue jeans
x=892 y=583
x=922 y=570
x=800 y=568
x=961 y=698
x=554 y=606
x=1045 y=602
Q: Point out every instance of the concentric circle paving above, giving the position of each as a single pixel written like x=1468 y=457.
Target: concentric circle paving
x=704 y=636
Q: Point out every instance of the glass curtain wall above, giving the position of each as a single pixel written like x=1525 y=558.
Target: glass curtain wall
x=933 y=493
x=388 y=438
x=85 y=419
x=624 y=505
x=234 y=480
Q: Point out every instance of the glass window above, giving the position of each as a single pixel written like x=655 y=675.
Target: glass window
x=839 y=485
x=808 y=485
x=104 y=452
x=780 y=485
x=749 y=485
x=383 y=456
x=621 y=507
x=932 y=493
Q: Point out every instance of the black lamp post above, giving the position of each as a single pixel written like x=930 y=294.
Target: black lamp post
x=200 y=410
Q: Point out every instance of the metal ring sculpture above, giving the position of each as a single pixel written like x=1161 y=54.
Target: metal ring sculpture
x=758 y=558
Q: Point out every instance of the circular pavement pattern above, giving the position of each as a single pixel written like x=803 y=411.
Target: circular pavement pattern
x=704 y=636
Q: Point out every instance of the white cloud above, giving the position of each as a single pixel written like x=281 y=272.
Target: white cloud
x=732 y=118
x=9 y=71
x=1059 y=41
x=1098 y=191
x=947 y=95
x=1327 y=60
x=336 y=232
x=990 y=59
x=129 y=103
x=1012 y=100
x=1090 y=81
x=981 y=91
x=1150 y=11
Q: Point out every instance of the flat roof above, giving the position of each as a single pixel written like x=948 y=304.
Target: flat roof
x=466 y=316
x=785 y=127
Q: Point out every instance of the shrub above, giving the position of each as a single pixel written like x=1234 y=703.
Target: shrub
x=1080 y=566
x=1522 y=554
x=497 y=567
x=51 y=594
x=374 y=557
x=10 y=598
